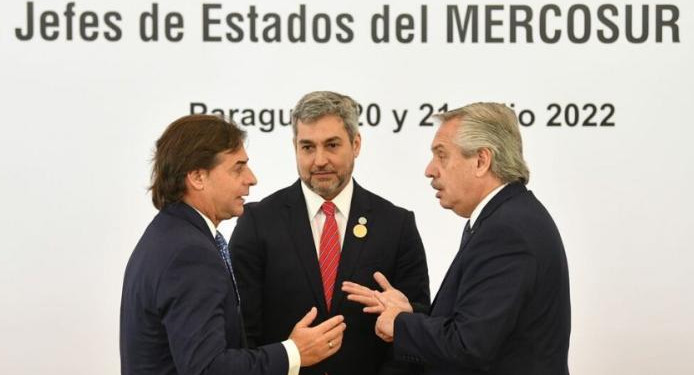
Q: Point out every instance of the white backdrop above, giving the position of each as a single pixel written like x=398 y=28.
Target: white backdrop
x=80 y=118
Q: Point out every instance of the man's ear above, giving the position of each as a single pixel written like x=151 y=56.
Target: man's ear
x=356 y=144
x=484 y=161
x=195 y=179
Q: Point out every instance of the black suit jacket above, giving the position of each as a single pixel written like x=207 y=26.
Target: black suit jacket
x=503 y=307
x=279 y=277
x=179 y=313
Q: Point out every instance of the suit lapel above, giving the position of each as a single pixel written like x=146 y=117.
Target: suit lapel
x=352 y=246
x=300 y=232
x=463 y=241
x=188 y=213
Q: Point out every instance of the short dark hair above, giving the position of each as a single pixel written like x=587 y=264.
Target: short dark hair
x=189 y=143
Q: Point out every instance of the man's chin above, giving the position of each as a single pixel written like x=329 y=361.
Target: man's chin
x=236 y=212
x=325 y=190
x=445 y=204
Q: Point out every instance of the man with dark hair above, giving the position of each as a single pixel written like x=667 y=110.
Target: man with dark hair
x=503 y=306
x=180 y=309
x=294 y=248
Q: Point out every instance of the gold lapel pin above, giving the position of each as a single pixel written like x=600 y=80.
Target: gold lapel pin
x=360 y=230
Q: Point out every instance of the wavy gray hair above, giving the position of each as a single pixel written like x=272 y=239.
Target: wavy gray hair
x=495 y=127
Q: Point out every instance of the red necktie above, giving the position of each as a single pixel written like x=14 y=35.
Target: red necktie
x=329 y=256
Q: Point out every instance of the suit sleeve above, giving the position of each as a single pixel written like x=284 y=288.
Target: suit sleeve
x=249 y=267
x=191 y=300
x=411 y=276
x=497 y=277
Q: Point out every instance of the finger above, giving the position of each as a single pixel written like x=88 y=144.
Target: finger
x=354 y=288
x=382 y=335
x=363 y=293
x=337 y=343
x=329 y=324
x=377 y=309
x=364 y=300
x=387 y=338
x=382 y=281
x=378 y=332
x=335 y=333
x=334 y=346
x=308 y=318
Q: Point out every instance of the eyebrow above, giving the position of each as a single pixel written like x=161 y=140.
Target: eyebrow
x=437 y=148
x=332 y=139
x=310 y=142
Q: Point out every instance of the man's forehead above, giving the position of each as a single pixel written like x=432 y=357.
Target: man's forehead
x=235 y=156
x=442 y=140
x=320 y=132
x=329 y=117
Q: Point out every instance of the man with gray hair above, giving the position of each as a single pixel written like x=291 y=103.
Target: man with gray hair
x=503 y=306
x=295 y=247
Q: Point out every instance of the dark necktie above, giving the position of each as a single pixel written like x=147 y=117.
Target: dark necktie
x=466 y=234
x=329 y=256
x=226 y=256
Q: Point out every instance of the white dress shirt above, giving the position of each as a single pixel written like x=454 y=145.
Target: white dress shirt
x=316 y=216
x=293 y=356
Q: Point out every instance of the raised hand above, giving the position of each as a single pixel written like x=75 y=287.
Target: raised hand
x=368 y=298
x=320 y=342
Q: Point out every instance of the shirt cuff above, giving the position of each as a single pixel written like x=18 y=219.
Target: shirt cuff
x=293 y=357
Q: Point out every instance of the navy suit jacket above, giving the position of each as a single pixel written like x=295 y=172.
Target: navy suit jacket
x=179 y=312
x=279 y=277
x=503 y=307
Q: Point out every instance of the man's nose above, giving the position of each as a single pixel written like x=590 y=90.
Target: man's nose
x=321 y=157
x=429 y=171
x=252 y=180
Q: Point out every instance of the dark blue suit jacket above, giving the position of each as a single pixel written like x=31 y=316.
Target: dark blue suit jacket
x=179 y=313
x=279 y=277
x=503 y=307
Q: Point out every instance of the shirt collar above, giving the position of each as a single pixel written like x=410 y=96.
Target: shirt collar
x=209 y=223
x=478 y=210
x=342 y=201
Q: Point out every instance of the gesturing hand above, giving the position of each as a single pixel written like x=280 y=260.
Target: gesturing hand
x=319 y=342
x=376 y=304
